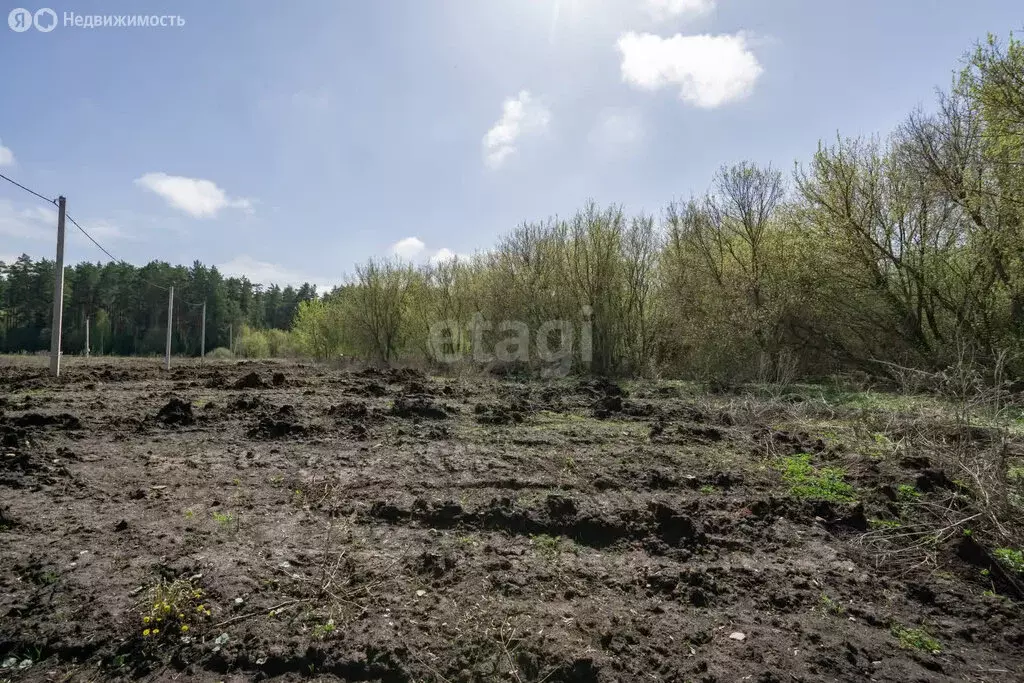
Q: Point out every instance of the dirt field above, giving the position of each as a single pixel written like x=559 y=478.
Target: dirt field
x=274 y=520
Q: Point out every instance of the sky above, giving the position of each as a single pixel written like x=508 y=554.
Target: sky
x=289 y=141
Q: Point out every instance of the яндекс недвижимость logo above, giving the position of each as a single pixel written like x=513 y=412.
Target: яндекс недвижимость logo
x=21 y=20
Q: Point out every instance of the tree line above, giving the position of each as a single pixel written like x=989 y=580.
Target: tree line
x=898 y=251
x=902 y=251
x=127 y=307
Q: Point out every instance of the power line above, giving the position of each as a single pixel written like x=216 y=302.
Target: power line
x=111 y=256
x=85 y=232
x=29 y=190
x=90 y=237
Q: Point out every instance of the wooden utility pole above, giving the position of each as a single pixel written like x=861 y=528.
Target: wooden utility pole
x=231 y=337
x=170 y=314
x=202 y=341
x=58 y=293
x=86 y=336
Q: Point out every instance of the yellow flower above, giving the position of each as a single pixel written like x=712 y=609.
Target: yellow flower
x=184 y=628
x=145 y=620
x=180 y=615
x=145 y=634
x=200 y=608
x=156 y=631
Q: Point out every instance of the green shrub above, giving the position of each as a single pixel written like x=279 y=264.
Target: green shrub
x=220 y=353
x=281 y=344
x=252 y=344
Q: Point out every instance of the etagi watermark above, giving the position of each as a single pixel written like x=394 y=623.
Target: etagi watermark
x=45 y=20
x=554 y=342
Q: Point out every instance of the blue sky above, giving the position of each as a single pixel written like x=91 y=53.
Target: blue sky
x=291 y=140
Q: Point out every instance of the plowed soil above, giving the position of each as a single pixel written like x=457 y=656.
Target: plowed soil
x=388 y=525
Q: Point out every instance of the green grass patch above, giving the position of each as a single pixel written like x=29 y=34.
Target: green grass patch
x=807 y=481
x=915 y=639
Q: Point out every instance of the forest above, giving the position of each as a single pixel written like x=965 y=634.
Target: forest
x=902 y=251
x=127 y=307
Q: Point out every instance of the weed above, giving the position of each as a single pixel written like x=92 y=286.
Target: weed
x=707 y=488
x=226 y=521
x=189 y=514
x=324 y=630
x=1010 y=558
x=806 y=481
x=173 y=610
x=916 y=639
x=906 y=493
x=548 y=546
x=831 y=606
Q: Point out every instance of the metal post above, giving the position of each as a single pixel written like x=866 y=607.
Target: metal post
x=58 y=293
x=170 y=313
x=202 y=341
x=86 y=336
x=231 y=337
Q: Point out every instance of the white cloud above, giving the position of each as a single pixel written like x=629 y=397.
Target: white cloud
x=443 y=254
x=6 y=155
x=521 y=115
x=710 y=71
x=617 y=131
x=408 y=248
x=266 y=273
x=670 y=9
x=195 y=196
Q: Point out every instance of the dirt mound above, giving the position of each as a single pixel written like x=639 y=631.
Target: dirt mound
x=251 y=381
x=244 y=404
x=393 y=375
x=419 y=407
x=278 y=379
x=349 y=410
x=436 y=567
x=493 y=414
x=11 y=436
x=176 y=412
x=370 y=390
x=601 y=386
x=216 y=381
x=63 y=420
x=277 y=428
x=606 y=406
x=790 y=443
